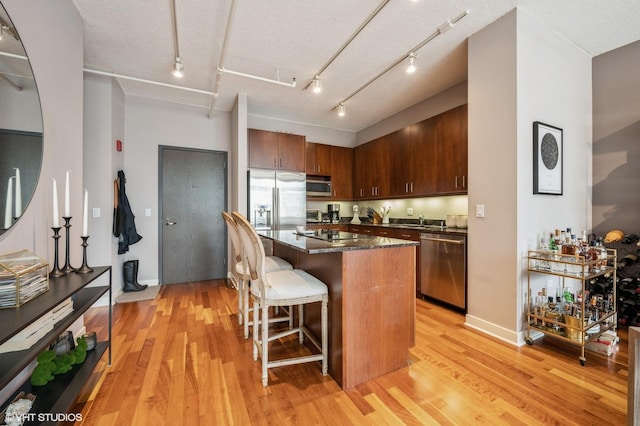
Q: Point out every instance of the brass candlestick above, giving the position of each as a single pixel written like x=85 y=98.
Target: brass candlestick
x=84 y=269
x=56 y=271
x=67 y=262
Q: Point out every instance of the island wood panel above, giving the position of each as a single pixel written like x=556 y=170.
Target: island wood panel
x=378 y=312
x=371 y=309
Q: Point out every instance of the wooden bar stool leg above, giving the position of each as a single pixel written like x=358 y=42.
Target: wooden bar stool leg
x=265 y=344
x=241 y=312
x=245 y=308
x=325 y=334
x=300 y=323
x=255 y=330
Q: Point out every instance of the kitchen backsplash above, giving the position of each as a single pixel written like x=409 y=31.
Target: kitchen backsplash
x=429 y=207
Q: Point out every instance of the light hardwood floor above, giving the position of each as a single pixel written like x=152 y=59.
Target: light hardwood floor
x=181 y=359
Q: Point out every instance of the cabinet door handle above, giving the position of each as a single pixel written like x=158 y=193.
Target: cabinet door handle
x=456 y=181
x=281 y=162
x=411 y=186
x=275 y=162
x=464 y=181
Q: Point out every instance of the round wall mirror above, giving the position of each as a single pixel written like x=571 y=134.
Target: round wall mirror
x=20 y=126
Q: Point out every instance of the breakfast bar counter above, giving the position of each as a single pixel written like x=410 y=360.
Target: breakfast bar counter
x=372 y=287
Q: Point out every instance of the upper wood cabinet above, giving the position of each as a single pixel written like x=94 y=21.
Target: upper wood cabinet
x=372 y=169
x=426 y=158
x=341 y=173
x=274 y=150
x=333 y=161
x=451 y=150
x=318 y=159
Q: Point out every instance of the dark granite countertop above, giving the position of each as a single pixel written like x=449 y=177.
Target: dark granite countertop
x=405 y=225
x=323 y=242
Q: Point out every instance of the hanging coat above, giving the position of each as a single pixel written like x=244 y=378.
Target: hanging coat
x=129 y=234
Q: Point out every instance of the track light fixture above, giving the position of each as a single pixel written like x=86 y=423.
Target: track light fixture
x=411 y=68
x=178 y=68
x=446 y=26
x=1 y=31
x=315 y=83
x=341 y=110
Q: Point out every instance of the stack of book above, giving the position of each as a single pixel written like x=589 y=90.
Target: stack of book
x=31 y=334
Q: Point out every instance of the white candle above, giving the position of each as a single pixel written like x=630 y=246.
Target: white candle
x=18 y=194
x=85 y=215
x=67 y=204
x=8 y=210
x=56 y=223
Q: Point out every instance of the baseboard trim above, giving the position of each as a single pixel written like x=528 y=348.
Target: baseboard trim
x=499 y=332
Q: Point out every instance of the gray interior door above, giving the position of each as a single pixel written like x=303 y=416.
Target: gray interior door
x=192 y=196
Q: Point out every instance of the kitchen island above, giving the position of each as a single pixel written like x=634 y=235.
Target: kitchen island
x=371 y=283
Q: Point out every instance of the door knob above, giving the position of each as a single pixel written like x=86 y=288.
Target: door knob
x=170 y=222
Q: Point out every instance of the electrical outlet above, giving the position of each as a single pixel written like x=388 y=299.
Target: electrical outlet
x=96 y=212
x=410 y=211
x=147 y=212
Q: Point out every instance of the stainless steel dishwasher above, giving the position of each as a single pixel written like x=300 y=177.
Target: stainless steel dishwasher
x=443 y=268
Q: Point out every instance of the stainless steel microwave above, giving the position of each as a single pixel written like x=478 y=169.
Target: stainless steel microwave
x=314 y=215
x=318 y=187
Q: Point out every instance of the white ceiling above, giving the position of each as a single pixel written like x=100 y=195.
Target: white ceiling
x=295 y=38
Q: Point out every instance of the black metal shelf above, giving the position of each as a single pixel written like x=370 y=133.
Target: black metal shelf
x=58 y=395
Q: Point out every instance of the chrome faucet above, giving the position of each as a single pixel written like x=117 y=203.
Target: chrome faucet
x=420 y=220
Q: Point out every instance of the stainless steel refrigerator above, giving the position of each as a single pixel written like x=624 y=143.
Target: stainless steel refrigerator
x=277 y=199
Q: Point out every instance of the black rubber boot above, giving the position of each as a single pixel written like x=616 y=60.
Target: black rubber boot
x=128 y=271
x=135 y=274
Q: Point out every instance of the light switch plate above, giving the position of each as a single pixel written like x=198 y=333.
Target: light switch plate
x=479 y=210
x=96 y=212
x=410 y=211
x=147 y=212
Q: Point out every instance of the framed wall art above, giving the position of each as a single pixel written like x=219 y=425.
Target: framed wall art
x=547 y=159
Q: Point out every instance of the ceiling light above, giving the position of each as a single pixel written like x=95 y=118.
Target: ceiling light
x=316 y=85
x=341 y=110
x=178 y=69
x=411 y=68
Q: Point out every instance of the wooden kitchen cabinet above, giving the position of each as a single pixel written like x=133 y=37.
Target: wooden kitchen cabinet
x=333 y=161
x=341 y=173
x=372 y=169
x=425 y=159
x=451 y=151
x=318 y=159
x=274 y=150
x=412 y=161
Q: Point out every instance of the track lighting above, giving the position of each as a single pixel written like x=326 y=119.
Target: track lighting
x=178 y=68
x=315 y=83
x=446 y=26
x=411 y=68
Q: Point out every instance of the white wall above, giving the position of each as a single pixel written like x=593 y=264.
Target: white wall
x=491 y=248
x=554 y=86
x=148 y=124
x=520 y=72
x=57 y=68
x=103 y=125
